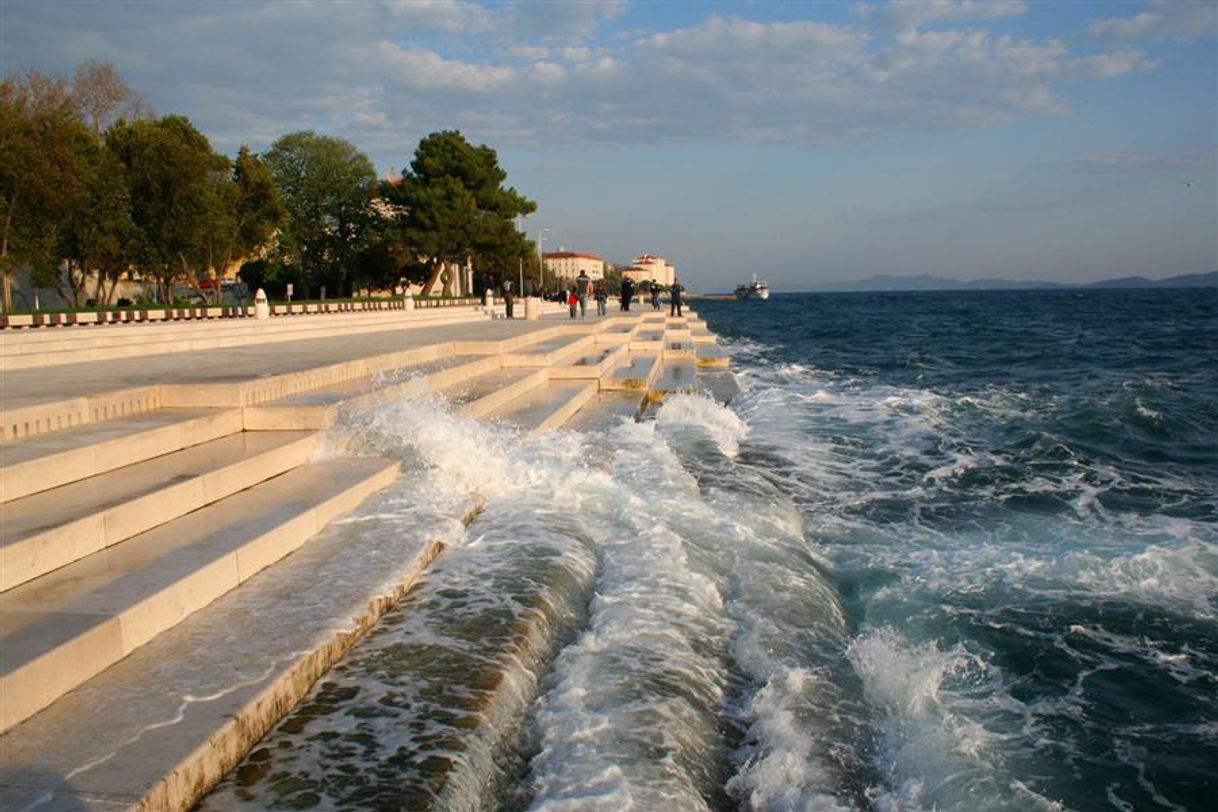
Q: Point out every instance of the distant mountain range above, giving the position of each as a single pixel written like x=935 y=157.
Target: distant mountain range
x=927 y=282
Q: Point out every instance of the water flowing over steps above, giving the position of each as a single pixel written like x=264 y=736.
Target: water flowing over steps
x=62 y=628
x=467 y=663
x=143 y=505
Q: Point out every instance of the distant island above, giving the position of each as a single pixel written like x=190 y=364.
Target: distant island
x=928 y=282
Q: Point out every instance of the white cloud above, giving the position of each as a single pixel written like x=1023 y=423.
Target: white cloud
x=913 y=14
x=372 y=73
x=1179 y=21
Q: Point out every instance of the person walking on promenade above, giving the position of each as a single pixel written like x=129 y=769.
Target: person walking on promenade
x=602 y=296
x=583 y=286
x=655 y=295
x=675 y=294
x=627 y=294
x=572 y=301
x=507 y=296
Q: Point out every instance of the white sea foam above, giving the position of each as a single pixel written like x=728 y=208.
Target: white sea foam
x=722 y=425
x=612 y=728
x=936 y=755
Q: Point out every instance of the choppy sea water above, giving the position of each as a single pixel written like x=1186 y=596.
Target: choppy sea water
x=946 y=551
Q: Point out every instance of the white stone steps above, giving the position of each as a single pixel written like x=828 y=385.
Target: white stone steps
x=45 y=461
x=676 y=376
x=710 y=356
x=509 y=345
x=40 y=418
x=547 y=407
x=678 y=347
x=266 y=332
x=719 y=384
x=319 y=408
x=117 y=335
x=638 y=373
x=493 y=390
x=550 y=352
x=158 y=729
x=647 y=340
x=51 y=529
x=61 y=629
x=606 y=409
x=591 y=366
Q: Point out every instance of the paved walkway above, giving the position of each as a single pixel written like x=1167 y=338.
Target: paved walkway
x=30 y=387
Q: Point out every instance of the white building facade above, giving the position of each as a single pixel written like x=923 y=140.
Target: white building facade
x=647 y=267
x=568 y=264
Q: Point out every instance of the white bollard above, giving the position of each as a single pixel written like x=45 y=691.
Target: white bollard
x=262 y=309
x=532 y=308
x=408 y=303
x=488 y=298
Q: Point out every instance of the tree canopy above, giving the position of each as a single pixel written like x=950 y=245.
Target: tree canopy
x=92 y=187
x=327 y=186
x=179 y=193
x=455 y=208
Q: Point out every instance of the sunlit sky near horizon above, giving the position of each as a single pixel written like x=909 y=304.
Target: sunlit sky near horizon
x=808 y=142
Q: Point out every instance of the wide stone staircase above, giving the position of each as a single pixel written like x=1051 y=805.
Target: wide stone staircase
x=155 y=484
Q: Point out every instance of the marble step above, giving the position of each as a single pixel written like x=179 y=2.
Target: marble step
x=637 y=373
x=678 y=348
x=156 y=730
x=267 y=332
x=551 y=351
x=607 y=409
x=46 y=461
x=29 y=417
x=117 y=335
x=594 y=365
x=520 y=343
x=678 y=376
x=546 y=407
x=719 y=384
x=51 y=529
x=63 y=628
x=710 y=356
x=647 y=340
x=320 y=408
x=482 y=395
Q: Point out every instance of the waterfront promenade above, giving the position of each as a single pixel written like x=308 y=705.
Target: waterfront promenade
x=162 y=602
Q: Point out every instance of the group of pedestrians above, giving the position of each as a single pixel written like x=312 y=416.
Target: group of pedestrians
x=583 y=288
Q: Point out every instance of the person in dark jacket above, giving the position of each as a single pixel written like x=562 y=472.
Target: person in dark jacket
x=675 y=293
x=627 y=293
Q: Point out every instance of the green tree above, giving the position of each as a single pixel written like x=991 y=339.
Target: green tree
x=180 y=196
x=43 y=174
x=326 y=185
x=98 y=232
x=456 y=209
x=246 y=210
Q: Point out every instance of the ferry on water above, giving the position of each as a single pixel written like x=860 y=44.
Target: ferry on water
x=754 y=290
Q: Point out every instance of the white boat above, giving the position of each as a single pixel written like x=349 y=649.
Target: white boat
x=754 y=290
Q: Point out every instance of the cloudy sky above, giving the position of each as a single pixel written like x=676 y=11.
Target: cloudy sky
x=806 y=141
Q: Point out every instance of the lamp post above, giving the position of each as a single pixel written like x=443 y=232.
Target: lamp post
x=520 y=228
x=541 y=262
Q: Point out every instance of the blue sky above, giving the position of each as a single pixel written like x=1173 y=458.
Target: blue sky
x=805 y=141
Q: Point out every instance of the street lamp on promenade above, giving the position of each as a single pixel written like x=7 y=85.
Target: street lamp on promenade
x=520 y=218
x=541 y=262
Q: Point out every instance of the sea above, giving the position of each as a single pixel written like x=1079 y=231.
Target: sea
x=944 y=551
